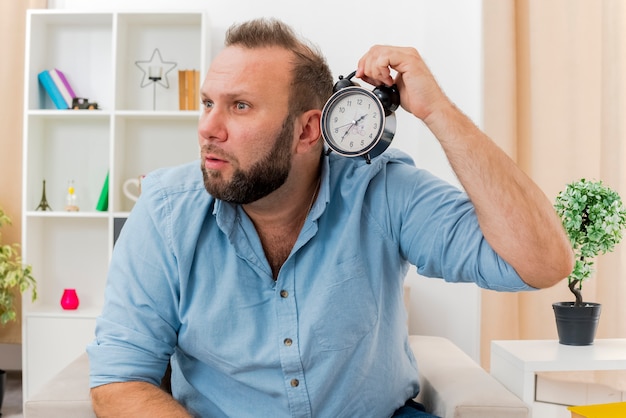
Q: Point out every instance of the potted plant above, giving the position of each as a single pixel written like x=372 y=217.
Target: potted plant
x=13 y=275
x=594 y=217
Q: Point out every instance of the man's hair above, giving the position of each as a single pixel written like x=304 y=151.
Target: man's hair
x=312 y=81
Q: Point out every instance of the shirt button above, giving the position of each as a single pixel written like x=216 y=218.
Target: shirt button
x=295 y=383
x=288 y=342
x=284 y=294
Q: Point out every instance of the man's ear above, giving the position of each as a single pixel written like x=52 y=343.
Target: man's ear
x=309 y=130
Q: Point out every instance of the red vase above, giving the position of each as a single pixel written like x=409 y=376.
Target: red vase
x=69 y=300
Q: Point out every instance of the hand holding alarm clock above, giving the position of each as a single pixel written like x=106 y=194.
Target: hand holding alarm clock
x=357 y=122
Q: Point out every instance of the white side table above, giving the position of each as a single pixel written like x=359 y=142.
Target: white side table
x=515 y=362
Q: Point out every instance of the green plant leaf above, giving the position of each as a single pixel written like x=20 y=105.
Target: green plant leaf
x=13 y=275
x=594 y=218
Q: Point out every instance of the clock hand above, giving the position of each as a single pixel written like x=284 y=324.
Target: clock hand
x=351 y=123
x=356 y=122
x=347 y=130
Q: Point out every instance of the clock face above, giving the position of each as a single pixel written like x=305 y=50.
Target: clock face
x=353 y=122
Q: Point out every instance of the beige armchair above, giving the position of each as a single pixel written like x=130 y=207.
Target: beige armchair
x=453 y=386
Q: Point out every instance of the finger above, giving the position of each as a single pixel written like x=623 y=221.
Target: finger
x=375 y=77
x=375 y=66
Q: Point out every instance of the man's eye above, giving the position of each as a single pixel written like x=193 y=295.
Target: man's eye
x=207 y=104
x=242 y=106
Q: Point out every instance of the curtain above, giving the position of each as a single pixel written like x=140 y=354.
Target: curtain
x=12 y=40
x=555 y=101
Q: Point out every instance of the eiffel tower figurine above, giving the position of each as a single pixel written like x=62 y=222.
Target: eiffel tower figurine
x=43 y=203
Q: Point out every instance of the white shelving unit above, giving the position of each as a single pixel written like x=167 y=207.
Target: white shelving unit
x=125 y=138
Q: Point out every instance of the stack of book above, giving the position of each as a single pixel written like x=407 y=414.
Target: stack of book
x=58 y=88
x=189 y=89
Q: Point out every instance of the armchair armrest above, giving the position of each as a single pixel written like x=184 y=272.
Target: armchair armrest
x=453 y=385
x=66 y=395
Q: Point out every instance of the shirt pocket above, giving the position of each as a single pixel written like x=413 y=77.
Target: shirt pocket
x=345 y=309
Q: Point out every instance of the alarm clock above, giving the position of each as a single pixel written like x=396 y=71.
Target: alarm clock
x=357 y=122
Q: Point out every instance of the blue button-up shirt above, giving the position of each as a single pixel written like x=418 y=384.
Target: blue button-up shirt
x=328 y=338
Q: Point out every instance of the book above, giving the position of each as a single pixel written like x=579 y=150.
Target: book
x=607 y=410
x=196 y=90
x=182 y=90
x=63 y=85
x=53 y=92
x=190 y=86
x=188 y=89
x=103 y=201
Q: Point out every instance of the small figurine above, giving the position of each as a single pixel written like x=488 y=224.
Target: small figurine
x=83 y=103
x=43 y=203
x=70 y=199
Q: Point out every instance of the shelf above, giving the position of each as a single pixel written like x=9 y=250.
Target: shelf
x=51 y=311
x=62 y=214
x=178 y=38
x=67 y=18
x=159 y=114
x=515 y=363
x=138 y=149
x=549 y=355
x=59 y=114
x=60 y=149
x=78 y=44
x=163 y=18
x=124 y=138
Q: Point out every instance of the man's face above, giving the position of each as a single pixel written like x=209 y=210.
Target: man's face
x=245 y=131
x=267 y=174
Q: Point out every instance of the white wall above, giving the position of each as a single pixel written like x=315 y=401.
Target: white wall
x=448 y=35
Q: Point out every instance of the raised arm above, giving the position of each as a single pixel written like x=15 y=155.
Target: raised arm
x=515 y=216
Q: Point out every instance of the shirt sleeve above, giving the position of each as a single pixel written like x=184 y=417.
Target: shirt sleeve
x=438 y=231
x=136 y=332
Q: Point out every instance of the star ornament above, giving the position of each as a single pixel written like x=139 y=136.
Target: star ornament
x=155 y=70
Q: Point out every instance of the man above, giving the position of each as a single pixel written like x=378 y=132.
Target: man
x=279 y=292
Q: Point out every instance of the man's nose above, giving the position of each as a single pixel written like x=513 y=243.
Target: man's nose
x=211 y=125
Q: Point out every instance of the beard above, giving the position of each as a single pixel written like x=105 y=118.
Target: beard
x=265 y=176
